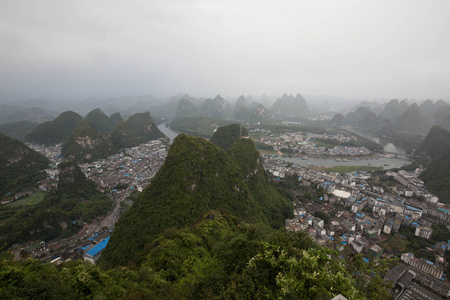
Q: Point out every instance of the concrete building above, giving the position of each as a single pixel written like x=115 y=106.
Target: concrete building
x=423 y=265
x=424 y=231
x=376 y=251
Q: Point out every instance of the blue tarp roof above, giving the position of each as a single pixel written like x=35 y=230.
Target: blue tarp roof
x=95 y=250
x=413 y=208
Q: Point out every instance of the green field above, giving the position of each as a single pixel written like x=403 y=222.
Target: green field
x=30 y=200
x=395 y=245
x=344 y=169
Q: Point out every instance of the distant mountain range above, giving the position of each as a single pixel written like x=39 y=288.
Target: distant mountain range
x=86 y=139
x=399 y=116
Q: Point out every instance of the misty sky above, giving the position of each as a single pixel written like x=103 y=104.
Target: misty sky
x=354 y=49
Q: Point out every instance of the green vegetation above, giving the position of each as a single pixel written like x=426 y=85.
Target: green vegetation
x=290 y=107
x=437 y=176
x=101 y=123
x=20 y=166
x=410 y=242
x=274 y=206
x=56 y=131
x=115 y=119
x=219 y=257
x=436 y=142
x=345 y=169
x=17 y=130
x=201 y=126
x=437 y=173
x=412 y=121
x=225 y=136
x=197 y=176
x=138 y=129
x=76 y=199
x=30 y=200
x=86 y=144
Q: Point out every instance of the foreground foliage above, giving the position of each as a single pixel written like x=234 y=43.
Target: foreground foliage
x=219 y=257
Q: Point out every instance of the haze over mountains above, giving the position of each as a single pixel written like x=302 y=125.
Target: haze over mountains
x=401 y=116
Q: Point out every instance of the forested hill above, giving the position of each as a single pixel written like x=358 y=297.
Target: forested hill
x=138 y=129
x=225 y=136
x=101 y=122
x=85 y=143
x=20 y=166
x=437 y=174
x=56 y=131
x=197 y=176
x=436 y=142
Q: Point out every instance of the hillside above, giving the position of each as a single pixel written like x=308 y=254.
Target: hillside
x=288 y=107
x=20 y=166
x=115 y=119
x=197 y=176
x=437 y=176
x=220 y=257
x=412 y=121
x=186 y=108
x=18 y=130
x=275 y=207
x=60 y=214
x=99 y=121
x=138 y=129
x=214 y=108
x=56 y=131
x=31 y=114
x=436 y=142
x=225 y=136
x=86 y=144
x=363 y=117
x=393 y=110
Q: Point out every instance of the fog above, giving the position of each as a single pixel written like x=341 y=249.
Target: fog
x=351 y=49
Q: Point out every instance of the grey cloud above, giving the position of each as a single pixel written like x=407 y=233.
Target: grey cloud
x=366 y=49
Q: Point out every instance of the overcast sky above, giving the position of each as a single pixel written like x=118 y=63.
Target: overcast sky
x=354 y=49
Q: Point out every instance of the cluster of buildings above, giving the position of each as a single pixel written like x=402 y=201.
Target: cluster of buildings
x=53 y=153
x=362 y=214
x=132 y=168
x=306 y=143
x=120 y=174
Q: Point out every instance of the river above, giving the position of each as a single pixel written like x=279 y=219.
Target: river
x=168 y=132
x=387 y=163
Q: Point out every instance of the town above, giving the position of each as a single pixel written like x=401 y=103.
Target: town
x=357 y=211
x=121 y=176
x=360 y=212
x=313 y=144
